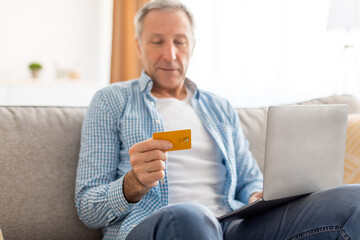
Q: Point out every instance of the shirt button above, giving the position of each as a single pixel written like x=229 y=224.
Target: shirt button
x=122 y=209
x=153 y=104
x=158 y=121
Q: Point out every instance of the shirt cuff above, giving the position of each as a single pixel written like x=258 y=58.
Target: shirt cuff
x=117 y=200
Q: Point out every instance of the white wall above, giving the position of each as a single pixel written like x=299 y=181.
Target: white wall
x=261 y=52
x=254 y=52
x=66 y=32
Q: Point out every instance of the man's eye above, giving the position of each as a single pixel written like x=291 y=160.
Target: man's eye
x=156 y=42
x=179 y=42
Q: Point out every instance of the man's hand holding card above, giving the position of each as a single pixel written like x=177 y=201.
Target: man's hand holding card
x=148 y=158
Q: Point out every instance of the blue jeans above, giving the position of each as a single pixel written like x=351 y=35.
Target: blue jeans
x=330 y=214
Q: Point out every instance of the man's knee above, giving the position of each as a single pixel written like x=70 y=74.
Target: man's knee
x=189 y=212
x=192 y=216
x=344 y=194
x=347 y=196
x=183 y=221
x=341 y=202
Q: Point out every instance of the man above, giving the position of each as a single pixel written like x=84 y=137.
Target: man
x=131 y=187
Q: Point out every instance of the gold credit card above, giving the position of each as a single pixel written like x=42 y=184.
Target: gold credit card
x=180 y=139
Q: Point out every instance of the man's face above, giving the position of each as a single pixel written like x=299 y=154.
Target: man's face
x=165 y=47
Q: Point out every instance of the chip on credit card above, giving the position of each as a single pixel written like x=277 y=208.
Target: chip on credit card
x=180 y=139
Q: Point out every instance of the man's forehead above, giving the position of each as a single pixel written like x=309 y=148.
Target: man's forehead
x=160 y=35
x=167 y=19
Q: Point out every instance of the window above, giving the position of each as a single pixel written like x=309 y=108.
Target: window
x=70 y=39
x=260 y=52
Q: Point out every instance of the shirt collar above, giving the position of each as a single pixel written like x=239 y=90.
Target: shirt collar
x=145 y=82
x=191 y=85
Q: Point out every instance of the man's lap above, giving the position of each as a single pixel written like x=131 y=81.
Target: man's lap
x=323 y=215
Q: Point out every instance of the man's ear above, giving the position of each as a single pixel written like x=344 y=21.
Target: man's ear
x=193 y=46
x=138 y=47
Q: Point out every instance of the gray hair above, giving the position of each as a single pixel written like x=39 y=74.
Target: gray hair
x=162 y=5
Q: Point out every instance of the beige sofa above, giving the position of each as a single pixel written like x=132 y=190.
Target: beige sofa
x=38 y=157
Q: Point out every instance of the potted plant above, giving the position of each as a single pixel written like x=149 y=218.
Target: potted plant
x=35 y=68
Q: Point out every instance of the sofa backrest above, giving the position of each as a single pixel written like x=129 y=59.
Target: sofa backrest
x=39 y=149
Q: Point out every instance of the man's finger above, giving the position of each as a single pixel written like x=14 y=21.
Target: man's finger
x=153 y=155
x=155 y=166
x=151 y=179
x=151 y=144
x=147 y=157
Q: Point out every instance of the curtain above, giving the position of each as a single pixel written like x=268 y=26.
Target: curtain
x=125 y=64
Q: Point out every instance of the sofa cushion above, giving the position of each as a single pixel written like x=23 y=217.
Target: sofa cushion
x=253 y=122
x=38 y=158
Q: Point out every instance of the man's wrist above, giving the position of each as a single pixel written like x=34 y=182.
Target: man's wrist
x=133 y=189
x=136 y=178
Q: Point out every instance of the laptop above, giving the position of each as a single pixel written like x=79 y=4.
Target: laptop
x=304 y=153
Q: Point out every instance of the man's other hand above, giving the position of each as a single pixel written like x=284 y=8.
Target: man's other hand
x=255 y=196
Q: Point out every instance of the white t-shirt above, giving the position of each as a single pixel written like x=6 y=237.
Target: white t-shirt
x=198 y=174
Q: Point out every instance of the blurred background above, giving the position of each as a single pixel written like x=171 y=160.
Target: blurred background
x=253 y=52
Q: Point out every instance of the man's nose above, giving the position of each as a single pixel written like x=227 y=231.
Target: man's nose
x=169 y=52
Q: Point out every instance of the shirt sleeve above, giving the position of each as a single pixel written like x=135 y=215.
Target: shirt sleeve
x=250 y=178
x=99 y=194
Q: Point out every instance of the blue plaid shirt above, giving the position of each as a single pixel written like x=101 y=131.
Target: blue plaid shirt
x=123 y=114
